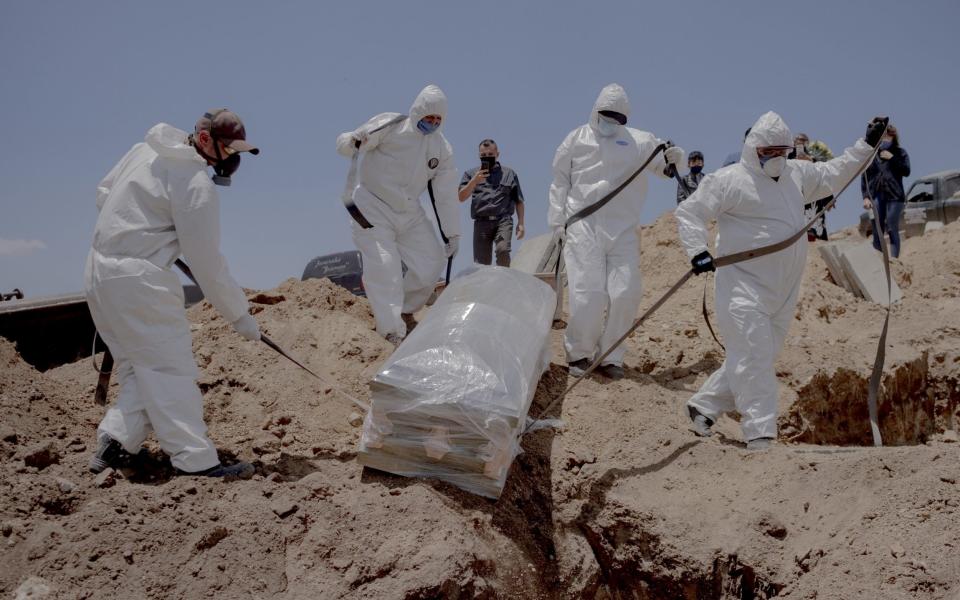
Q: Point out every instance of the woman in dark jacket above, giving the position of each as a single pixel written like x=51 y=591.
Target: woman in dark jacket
x=883 y=181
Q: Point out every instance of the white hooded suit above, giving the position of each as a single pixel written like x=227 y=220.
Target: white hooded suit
x=755 y=299
x=157 y=203
x=398 y=162
x=601 y=251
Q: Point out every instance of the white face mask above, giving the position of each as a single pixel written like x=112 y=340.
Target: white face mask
x=607 y=127
x=773 y=166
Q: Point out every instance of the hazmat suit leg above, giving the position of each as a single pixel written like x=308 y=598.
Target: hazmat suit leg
x=753 y=340
x=382 y=276
x=126 y=421
x=421 y=251
x=586 y=263
x=395 y=240
x=138 y=308
x=624 y=287
x=714 y=397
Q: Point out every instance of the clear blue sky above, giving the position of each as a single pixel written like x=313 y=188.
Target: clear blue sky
x=83 y=81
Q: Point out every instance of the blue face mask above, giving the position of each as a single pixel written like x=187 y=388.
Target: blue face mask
x=427 y=128
x=607 y=127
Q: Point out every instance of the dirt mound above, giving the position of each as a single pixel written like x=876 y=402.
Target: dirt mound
x=624 y=502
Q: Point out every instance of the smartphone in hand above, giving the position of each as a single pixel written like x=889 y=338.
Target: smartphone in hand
x=487 y=162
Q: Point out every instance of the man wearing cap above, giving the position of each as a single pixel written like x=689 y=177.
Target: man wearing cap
x=692 y=179
x=494 y=192
x=157 y=204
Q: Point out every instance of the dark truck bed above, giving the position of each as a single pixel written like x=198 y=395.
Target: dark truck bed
x=54 y=330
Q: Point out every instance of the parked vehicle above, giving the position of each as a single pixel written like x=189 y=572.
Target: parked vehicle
x=934 y=197
x=343 y=268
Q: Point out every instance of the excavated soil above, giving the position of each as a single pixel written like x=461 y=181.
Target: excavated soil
x=624 y=502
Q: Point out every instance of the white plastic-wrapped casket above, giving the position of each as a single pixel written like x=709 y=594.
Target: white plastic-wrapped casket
x=451 y=401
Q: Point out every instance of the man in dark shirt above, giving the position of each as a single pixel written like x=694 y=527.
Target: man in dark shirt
x=494 y=193
x=693 y=178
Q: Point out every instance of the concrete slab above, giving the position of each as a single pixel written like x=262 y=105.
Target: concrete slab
x=536 y=255
x=864 y=266
x=830 y=252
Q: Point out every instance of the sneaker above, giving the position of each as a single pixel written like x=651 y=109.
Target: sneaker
x=614 y=372
x=579 y=367
x=109 y=453
x=409 y=321
x=393 y=338
x=700 y=424
x=759 y=444
x=241 y=470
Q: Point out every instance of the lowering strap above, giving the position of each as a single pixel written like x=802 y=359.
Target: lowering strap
x=446 y=240
x=745 y=255
x=352 y=178
x=589 y=210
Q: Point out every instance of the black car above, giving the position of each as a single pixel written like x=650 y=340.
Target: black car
x=343 y=268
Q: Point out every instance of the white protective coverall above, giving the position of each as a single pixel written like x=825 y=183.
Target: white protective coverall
x=755 y=299
x=157 y=203
x=399 y=160
x=601 y=252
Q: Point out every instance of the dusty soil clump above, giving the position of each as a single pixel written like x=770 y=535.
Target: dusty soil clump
x=623 y=502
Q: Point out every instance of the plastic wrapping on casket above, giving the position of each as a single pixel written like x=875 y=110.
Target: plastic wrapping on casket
x=451 y=401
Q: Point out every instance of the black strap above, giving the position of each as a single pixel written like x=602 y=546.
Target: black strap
x=446 y=240
x=349 y=204
x=589 y=210
x=358 y=216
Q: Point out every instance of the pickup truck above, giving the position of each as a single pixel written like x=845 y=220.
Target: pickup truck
x=934 y=197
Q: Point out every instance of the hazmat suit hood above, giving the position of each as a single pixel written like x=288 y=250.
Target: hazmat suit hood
x=430 y=101
x=170 y=142
x=612 y=97
x=769 y=130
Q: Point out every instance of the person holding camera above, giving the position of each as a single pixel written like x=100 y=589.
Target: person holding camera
x=692 y=179
x=494 y=192
x=883 y=181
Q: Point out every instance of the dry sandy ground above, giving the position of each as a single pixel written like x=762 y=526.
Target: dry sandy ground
x=624 y=502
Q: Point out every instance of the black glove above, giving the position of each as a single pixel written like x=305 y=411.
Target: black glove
x=875 y=130
x=702 y=263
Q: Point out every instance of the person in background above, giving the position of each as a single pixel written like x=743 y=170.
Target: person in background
x=494 y=192
x=816 y=152
x=693 y=178
x=883 y=182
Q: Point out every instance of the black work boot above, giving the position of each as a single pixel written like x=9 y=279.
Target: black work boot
x=614 y=372
x=109 y=453
x=700 y=424
x=579 y=367
x=241 y=470
x=409 y=321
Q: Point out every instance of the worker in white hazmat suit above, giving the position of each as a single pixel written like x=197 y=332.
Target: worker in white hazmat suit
x=601 y=251
x=398 y=162
x=157 y=204
x=756 y=202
